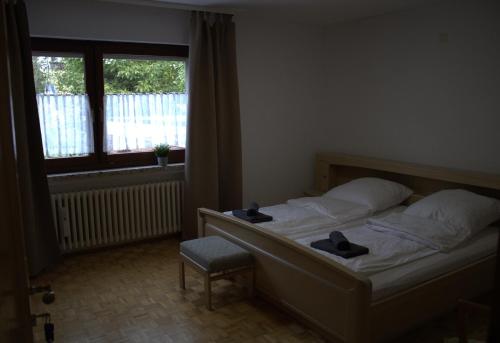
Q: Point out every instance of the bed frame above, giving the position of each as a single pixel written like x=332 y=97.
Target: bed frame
x=331 y=298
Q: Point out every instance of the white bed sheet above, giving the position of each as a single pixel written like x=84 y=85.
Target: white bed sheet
x=290 y=220
x=326 y=229
x=295 y=219
x=411 y=274
x=386 y=250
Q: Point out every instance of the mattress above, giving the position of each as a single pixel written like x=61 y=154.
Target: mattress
x=390 y=274
x=309 y=225
x=395 y=279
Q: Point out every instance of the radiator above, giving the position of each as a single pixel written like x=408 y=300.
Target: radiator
x=102 y=217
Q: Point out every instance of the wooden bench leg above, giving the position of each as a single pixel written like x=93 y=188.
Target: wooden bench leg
x=208 y=291
x=465 y=309
x=251 y=285
x=182 y=279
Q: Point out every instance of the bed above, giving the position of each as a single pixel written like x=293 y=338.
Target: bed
x=340 y=303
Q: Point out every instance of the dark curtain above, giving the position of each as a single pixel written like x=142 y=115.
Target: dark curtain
x=494 y=334
x=213 y=147
x=40 y=237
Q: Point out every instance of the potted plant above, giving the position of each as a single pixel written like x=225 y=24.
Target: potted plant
x=161 y=151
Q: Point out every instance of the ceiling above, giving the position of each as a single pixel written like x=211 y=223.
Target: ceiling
x=320 y=12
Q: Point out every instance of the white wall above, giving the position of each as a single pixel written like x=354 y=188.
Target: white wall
x=280 y=83
x=396 y=89
x=99 y=20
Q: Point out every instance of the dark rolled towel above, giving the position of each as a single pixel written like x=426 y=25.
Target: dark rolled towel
x=327 y=245
x=254 y=218
x=254 y=205
x=253 y=209
x=339 y=241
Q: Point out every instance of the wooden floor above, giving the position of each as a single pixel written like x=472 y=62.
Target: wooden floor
x=131 y=294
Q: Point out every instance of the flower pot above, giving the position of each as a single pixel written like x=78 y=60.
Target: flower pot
x=162 y=161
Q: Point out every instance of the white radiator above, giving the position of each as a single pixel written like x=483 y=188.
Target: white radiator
x=103 y=217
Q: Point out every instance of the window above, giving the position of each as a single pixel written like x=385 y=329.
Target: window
x=106 y=104
x=141 y=112
x=65 y=119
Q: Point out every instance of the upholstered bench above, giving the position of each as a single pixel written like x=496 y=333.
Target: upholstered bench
x=215 y=258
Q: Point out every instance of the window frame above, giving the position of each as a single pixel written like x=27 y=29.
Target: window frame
x=93 y=52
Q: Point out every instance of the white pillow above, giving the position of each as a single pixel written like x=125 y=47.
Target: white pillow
x=458 y=208
x=376 y=194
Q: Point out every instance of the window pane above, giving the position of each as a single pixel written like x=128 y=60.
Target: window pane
x=63 y=105
x=145 y=103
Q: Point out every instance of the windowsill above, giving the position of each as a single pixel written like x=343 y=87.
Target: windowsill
x=171 y=168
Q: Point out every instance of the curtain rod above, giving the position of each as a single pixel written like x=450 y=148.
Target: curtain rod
x=173 y=6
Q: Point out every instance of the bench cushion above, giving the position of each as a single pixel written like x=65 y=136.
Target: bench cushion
x=216 y=254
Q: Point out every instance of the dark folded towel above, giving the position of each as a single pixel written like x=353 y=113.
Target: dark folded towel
x=254 y=218
x=339 y=241
x=328 y=246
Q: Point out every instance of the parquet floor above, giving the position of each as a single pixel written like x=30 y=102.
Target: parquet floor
x=131 y=294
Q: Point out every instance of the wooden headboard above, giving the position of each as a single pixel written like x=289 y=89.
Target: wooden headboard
x=333 y=169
